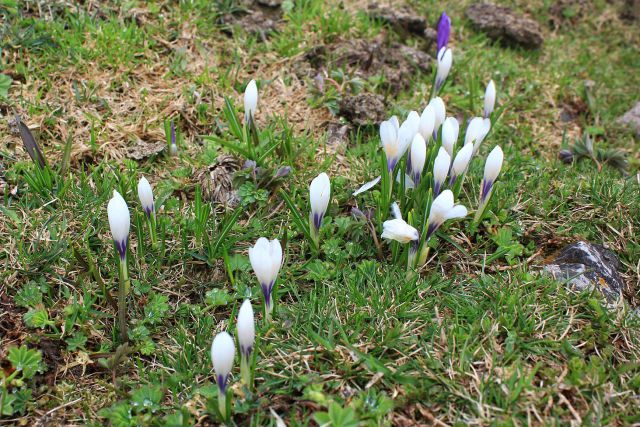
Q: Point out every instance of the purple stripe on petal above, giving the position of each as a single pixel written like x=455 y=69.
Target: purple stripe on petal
x=436 y=189
x=173 y=133
x=246 y=351
x=391 y=163
x=452 y=180
x=222 y=383
x=317 y=220
x=486 y=187
x=431 y=228
x=416 y=179
x=121 y=246
x=266 y=291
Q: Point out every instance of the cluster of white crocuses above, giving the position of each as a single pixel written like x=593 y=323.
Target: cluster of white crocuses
x=120 y=223
x=223 y=352
x=427 y=181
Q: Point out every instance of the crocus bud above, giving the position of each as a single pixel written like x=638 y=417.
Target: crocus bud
x=460 y=163
x=438 y=107
x=441 y=166
x=319 y=195
x=282 y=172
x=222 y=353
x=566 y=156
x=266 y=260
x=395 y=210
x=444 y=30
x=250 y=101
x=397 y=229
x=418 y=157
x=450 y=130
x=491 y=170
x=427 y=122
x=246 y=328
x=174 y=145
x=489 y=99
x=389 y=137
x=119 y=222
x=445 y=59
x=145 y=194
x=443 y=209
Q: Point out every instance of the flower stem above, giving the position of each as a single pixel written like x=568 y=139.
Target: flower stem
x=151 y=222
x=245 y=371
x=123 y=289
x=222 y=405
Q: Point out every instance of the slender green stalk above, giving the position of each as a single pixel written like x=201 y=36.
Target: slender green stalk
x=151 y=222
x=222 y=406
x=123 y=289
x=245 y=371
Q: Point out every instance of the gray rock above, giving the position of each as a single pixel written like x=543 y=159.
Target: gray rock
x=363 y=109
x=502 y=23
x=632 y=119
x=585 y=267
x=403 y=18
x=270 y=3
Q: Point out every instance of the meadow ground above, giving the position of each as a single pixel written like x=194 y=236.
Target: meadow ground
x=478 y=338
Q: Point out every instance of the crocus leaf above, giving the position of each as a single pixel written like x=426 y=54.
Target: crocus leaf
x=5 y=84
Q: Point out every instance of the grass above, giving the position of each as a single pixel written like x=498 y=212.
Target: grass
x=478 y=338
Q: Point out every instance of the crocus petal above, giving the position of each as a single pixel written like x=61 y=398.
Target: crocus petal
x=223 y=351
x=275 y=252
x=444 y=30
x=489 y=98
x=260 y=257
x=450 y=130
x=486 y=127
x=457 y=211
x=319 y=195
x=427 y=122
x=367 y=186
x=119 y=221
x=418 y=156
x=441 y=166
x=145 y=194
x=398 y=230
x=493 y=164
x=408 y=182
x=475 y=129
x=246 y=328
x=440 y=110
x=445 y=59
x=461 y=161
x=250 y=100
x=395 y=211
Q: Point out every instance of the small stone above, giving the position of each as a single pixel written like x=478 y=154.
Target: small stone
x=144 y=149
x=502 y=23
x=586 y=266
x=363 y=109
x=632 y=119
x=403 y=18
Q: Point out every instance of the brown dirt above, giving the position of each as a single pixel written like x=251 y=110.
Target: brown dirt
x=505 y=25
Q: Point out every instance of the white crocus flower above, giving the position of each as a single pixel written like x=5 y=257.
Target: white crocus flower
x=223 y=351
x=443 y=209
x=397 y=229
x=418 y=157
x=489 y=99
x=450 y=131
x=119 y=222
x=441 y=166
x=491 y=170
x=246 y=330
x=145 y=194
x=445 y=59
x=319 y=195
x=427 y=122
x=389 y=137
x=250 y=101
x=266 y=260
x=440 y=111
x=460 y=163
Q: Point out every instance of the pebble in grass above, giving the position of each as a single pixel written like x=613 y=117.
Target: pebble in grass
x=586 y=266
x=632 y=119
